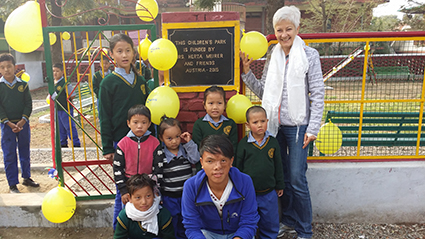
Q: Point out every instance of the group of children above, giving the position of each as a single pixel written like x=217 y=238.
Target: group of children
x=150 y=206
x=170 y=165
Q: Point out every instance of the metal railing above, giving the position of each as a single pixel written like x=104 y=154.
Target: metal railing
x=387 y=77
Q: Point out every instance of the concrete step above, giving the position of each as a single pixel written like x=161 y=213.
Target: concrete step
x=24 y=210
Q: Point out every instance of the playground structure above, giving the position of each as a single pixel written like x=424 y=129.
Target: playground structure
x=89 y=176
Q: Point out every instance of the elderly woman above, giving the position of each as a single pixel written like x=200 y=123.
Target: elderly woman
x=292 y=92
x=219 y=201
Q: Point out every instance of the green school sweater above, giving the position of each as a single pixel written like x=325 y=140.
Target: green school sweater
x=263 y=164
x=97 y=78
x=15 y=102
x=117 y=96
x=127 y=228
x=145 y=72
x=202 y=129
x=62 y=97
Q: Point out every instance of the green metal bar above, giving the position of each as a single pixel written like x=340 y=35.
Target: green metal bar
x=79 y=126
x=99 y=29
x=95 y=197
x=49 y=71
x=151 y=27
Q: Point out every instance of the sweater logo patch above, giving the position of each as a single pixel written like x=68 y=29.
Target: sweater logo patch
x=271 y=153
x=59 y=88
x=21 y=88
x=234 y=215
x=227 y=129
x=143 y=88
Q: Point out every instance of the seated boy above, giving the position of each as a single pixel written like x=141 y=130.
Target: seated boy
x=219 y=201
x=258 y=155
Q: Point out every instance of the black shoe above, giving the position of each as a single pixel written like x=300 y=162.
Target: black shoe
x=64 y=146
x=14 y=189
x=29 y=182
x=77 y=146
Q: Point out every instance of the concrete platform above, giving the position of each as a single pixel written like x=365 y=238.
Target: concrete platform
x=24 y=210
x=385 y=192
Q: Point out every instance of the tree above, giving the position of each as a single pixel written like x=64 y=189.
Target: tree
x=90 y=11
x=416 y=21
x=384 y=23
x=272 y=7
x=337 y=16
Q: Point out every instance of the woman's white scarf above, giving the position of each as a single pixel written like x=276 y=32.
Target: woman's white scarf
x=148 y=219
x=273 y=89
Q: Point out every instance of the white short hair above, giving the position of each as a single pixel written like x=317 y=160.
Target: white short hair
x=290 y=13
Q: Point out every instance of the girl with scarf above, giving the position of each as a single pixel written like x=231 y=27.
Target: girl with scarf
x=142 y=216
x=292 y=92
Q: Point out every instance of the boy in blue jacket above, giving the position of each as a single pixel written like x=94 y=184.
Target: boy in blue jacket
x=219 y=201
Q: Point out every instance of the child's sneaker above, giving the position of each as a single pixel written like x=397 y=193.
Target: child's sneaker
x=13 y=189
x=284 y=228
x=29 y=182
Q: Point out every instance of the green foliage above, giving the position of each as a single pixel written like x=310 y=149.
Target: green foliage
x=416 y=22
x=70 y=8
x=384 y=23
x=205 y=4
x=337 y=16
x=7 y=7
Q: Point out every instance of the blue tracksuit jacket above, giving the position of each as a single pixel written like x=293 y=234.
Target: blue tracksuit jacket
x=240 y=214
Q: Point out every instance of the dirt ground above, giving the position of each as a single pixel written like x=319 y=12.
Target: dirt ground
x=41 y=177
x=45 y=233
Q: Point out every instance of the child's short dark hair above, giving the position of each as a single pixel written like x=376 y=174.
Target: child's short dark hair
x=7 y=57
x=58 y=65
x=217 y=144
x=166 y=123
x=139 y=181
x=217 y=89
x=139 y=110
x=254 y=109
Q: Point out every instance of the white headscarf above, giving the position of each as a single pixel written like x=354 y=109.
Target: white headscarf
x=273 y=89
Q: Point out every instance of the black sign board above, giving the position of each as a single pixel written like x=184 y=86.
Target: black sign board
x=206 y=56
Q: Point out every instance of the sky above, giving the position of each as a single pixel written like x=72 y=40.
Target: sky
x=391 y=8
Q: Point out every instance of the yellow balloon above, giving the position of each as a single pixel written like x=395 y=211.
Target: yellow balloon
x=162 y=54
x=58 y=205
x=147 y=10
x=105 y=52
x=23 y=29
x=25 y=77
x=236 y=108
x=52 y=38
x=66 y=35
x=48 y=99
x=161 y=101
x=254 y=44
x=144 y=48
x=329 y=139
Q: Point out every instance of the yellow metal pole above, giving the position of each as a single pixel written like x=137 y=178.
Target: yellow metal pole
x=359 y=137
x=421 y=112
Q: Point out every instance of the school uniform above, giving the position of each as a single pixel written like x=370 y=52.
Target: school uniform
x=206 y=126
x=172 y=171
x=62 y=115
x=129 y=229
x=262 y=162
x=15 y=104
